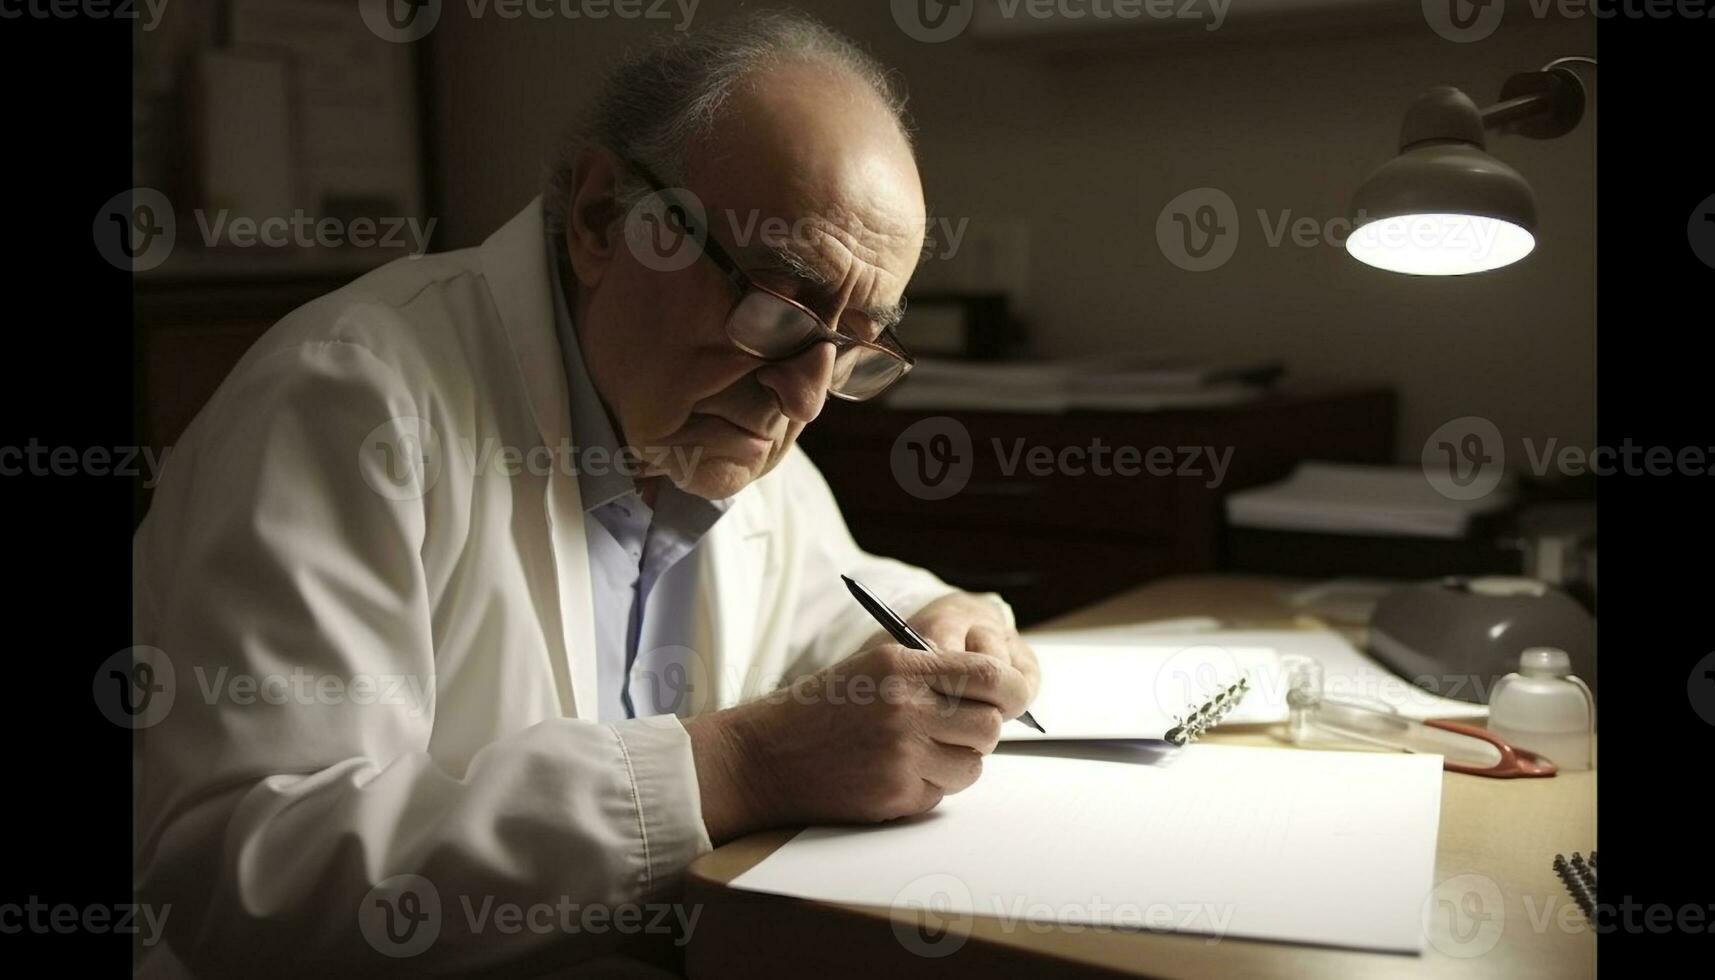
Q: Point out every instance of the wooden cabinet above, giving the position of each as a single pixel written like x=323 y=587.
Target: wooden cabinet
x=1056 y=511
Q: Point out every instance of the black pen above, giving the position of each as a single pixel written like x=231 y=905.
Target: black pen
x=901 y=631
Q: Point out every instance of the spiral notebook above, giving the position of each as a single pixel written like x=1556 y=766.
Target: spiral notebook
x=1170 y=692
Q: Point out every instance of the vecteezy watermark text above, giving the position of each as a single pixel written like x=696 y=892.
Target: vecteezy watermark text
x=1465 y=458
x=138 y=229
x=403 y=458
x=147 y=13
x=406 y=21
x=934 y=21
x=667 y=230
x=127 y=919
x=35 y=459
x=933 y=458
x=403 y=916
x=1466 y=21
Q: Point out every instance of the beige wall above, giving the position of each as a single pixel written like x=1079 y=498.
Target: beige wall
x=1063 y=158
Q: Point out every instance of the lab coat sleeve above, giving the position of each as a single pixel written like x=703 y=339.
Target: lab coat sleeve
x=829 y=625
x=267 y=816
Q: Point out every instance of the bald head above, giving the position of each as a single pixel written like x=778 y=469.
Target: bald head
x=807 y=180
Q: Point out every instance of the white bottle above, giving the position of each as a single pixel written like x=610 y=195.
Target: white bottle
x=1545 y=709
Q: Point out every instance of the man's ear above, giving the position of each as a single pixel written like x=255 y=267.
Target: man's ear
x=594 y=231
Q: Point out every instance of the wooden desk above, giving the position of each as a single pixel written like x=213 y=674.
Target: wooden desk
x=1492 y=864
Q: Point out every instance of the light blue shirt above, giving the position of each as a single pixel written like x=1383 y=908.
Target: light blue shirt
x=643 y=560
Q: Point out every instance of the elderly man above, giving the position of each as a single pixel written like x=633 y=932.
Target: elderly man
x=494 y=581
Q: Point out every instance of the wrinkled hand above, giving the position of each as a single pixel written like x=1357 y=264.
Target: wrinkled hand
x=962 y=621
x=885 y=733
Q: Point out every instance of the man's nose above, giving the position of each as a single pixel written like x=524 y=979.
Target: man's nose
x=800 y=383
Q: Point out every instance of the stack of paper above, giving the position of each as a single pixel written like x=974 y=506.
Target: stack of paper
x=1343 y=498
x=1022 y=387
x=1335 y=848
x=1115 y=382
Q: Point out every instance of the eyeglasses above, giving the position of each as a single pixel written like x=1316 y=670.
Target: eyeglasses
x=770 y=325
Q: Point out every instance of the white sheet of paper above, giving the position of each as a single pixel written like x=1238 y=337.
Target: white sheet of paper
x=1294 y=845
x=1346 y=671
x=1140 y=690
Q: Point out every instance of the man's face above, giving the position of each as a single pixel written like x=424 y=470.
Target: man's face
x=805 y=169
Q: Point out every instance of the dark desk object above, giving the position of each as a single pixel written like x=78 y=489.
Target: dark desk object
x=1055 y=542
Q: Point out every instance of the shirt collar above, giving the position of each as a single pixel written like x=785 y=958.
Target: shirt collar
x=591 y=428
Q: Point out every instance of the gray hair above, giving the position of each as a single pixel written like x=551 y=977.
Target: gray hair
x=657 y=103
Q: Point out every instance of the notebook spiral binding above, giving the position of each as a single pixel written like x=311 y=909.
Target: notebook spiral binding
x=1205 y=716
x=1579 y=877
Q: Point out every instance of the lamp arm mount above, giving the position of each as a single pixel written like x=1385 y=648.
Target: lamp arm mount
x=1540 y=104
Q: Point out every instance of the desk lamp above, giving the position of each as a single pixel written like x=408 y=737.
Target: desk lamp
x=1444 y=206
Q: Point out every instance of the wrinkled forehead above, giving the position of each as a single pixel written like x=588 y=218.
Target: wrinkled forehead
x=805 y=158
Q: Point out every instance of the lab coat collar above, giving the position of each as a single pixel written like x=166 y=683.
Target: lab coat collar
x=516 y=268
x=737 y=552
x=738 y=548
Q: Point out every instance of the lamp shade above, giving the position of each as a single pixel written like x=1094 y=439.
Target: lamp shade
x=1444 y=206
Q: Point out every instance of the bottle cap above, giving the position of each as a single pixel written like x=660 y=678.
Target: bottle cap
x=1544 y=662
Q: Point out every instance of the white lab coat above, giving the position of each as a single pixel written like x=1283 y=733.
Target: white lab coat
x=269 y=557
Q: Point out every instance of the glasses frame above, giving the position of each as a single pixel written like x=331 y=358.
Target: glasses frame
x=886 y=342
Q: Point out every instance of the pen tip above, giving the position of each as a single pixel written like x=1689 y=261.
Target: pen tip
x=1030 y=720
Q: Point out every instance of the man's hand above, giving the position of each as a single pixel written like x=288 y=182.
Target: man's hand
x=962 y=621
x=884 y=733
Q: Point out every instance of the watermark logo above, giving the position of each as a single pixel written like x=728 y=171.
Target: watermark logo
x=1463 y=21
x=1465 y=915
x=135 y=687
x=404 y=915
x=671 y=680
x=400 y=21
x=1465 y=458
x=401 y=916
x=1198 y=230
x=302 y=230
x=1700 y=688
x=932 y=458
x=405 y=21
x=928 y=919
x=401 y=458
x=666 y=229
x=933 y=21
x=304 y=688
x=135 y=230
x=1701 y=231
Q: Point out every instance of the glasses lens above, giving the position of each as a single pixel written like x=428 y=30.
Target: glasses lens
x=864 y=372
x=769 y=326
